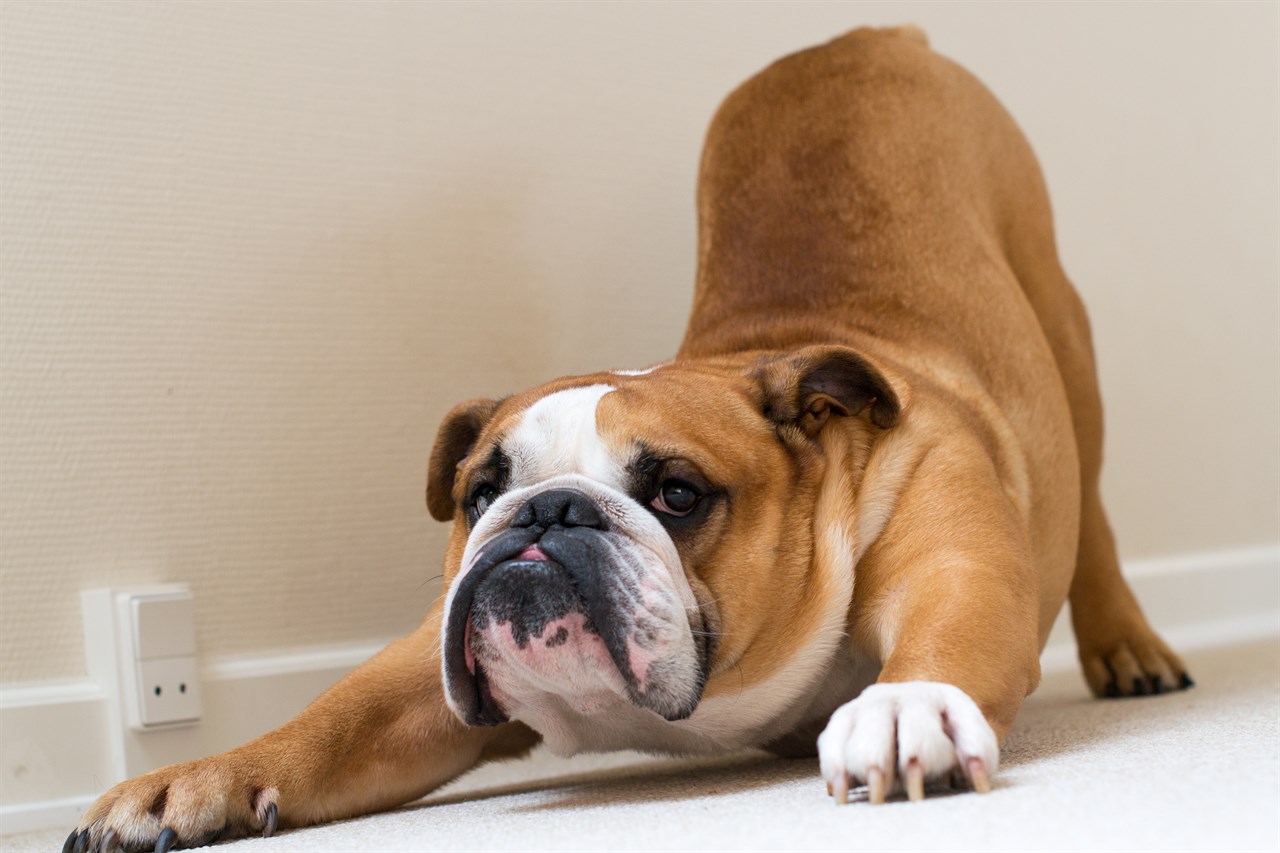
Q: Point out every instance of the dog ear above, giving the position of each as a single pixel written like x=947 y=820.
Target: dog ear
x=457 y=436
x=806 y=387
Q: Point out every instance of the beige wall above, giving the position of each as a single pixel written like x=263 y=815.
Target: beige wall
x=251 y=252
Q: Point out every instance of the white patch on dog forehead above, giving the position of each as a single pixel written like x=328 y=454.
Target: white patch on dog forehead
x=558 y=435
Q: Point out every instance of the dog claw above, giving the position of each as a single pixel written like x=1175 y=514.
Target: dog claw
x=82 y=842
x=842 y=789
x=1185 y=681
x=108 y=842
x=70 y=844
x=166 y=840
x=978 y=776
x=273 y=817
x=875 y=785
x=915 y=780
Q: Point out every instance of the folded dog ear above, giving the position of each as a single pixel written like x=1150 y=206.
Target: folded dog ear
x=457 y=435
x=805 y=387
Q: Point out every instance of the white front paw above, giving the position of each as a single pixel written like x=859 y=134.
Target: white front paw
x=910 y=731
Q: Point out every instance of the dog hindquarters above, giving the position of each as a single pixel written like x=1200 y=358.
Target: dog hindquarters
x=1119 y=651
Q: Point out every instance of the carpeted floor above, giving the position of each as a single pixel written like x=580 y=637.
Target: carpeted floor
x=1189 y=771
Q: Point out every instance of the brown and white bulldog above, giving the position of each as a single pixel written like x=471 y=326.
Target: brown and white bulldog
x=842 y=518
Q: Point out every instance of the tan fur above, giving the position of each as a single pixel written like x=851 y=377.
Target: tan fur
x=869 y=197
x=872 y=193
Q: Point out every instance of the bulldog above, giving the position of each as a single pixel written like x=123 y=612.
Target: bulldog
x=842 y=519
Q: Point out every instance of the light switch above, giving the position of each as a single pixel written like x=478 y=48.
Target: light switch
x=164 y=626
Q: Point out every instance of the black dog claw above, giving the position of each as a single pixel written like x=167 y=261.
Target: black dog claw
x=70 y=843
x=273 y=817
x=166 y=840
x=1186 y=682
x=82 y=841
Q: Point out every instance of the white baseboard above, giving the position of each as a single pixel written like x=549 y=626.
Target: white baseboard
x=54 y=743
x=1196 y=601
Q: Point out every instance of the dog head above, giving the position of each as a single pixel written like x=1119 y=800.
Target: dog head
x=637 y=534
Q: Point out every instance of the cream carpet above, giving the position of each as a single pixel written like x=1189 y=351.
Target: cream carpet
x=1188 y=771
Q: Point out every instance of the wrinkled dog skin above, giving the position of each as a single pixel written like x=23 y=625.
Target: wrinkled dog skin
x=874 y=459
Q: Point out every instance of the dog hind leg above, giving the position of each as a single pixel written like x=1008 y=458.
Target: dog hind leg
x=1120 y=653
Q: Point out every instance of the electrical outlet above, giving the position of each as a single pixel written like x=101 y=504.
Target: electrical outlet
x=169 y=691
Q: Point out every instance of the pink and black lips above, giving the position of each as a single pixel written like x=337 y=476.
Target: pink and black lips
x=562 y=603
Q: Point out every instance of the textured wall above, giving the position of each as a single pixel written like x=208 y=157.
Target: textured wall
x=252 y=252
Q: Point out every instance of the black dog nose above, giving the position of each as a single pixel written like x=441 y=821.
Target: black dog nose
x=563 y=507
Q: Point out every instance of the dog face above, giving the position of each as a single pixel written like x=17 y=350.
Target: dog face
x=637 y=535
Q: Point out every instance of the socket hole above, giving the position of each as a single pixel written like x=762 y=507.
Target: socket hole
x=182 y=688
x=157 y=689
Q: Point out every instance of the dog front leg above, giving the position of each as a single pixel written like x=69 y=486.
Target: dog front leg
x=962 y=655
x=381 y=737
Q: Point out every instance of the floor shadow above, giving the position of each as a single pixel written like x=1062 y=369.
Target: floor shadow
x=732 y=773
x=675 y=783
x=1062 y=720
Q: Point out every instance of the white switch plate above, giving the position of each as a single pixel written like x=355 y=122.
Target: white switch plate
x=156 y=637
x=129 y=657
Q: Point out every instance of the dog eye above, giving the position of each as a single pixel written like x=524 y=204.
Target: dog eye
x=675 y=497
x=481 y=499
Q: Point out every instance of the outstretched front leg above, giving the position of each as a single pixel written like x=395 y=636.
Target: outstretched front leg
x=956 y=623
x=380 y=737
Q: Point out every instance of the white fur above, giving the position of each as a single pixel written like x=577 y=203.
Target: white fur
x=890 y=725
x=735 y=720
x=558 y=435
